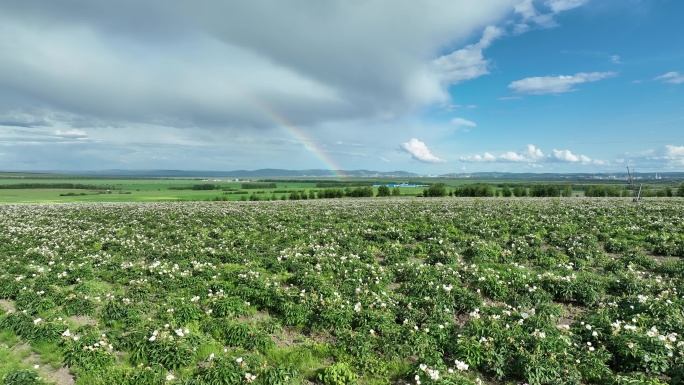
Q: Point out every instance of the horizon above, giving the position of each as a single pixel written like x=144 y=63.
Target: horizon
x=338 y=174
x=431 y=88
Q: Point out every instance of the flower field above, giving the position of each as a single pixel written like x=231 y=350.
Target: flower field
x=362 y=291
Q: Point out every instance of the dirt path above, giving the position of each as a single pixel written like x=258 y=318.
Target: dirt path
x=60 y=376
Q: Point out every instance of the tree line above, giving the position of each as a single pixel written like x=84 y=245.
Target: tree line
x=472 y=190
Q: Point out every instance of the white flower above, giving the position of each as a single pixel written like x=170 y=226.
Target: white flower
x=170 y=377
x=460 y=365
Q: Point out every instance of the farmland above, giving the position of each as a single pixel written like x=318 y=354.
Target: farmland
x=344 y=291
x=59 y=188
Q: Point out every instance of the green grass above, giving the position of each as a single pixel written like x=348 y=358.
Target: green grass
x=308 y=359
x=11 y=361
x=166 y=189
x=49 y=354
x=8 y=339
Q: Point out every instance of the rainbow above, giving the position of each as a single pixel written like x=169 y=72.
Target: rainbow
x=299 y=135
x=289 y=127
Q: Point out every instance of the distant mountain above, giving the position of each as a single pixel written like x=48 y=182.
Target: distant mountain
x=261 y=173
x=564 y=176
x=320 y=173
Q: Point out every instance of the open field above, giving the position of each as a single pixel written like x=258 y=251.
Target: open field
x=344 y=291
x=72 y=189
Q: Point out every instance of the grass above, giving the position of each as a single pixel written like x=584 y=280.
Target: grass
x=11 y=361
x=167 y=189
x=144 y=190
x=308 y=359
x=49 y=354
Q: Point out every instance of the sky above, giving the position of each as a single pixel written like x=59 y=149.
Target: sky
x=431 y=86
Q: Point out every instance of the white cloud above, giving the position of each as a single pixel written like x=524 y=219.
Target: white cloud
x=569 y=157
x=674 y=151
x=72 y=133
x=615 y=59
x=511 y=156
x=564 y=5
x=477 y=158
x=533 y=156
x=469 y=62
x=420 y=151
x=666 y=157
x=530 y=15
x=563 y=156
x=530 y=154
x=460 y=122
x=671 y=77
x=231 y=64
x=555 y=84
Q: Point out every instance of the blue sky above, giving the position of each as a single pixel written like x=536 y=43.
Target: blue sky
x=431 y=87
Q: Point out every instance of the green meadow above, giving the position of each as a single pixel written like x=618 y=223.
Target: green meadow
x=49 y=188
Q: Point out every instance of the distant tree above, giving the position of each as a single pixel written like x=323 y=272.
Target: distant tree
x=595 y=191
x=668 y=191
x=680 y=190
x=359 y=192
x=486 y=190
x=204 y=186
x=383 y=191
x=520 y=191
x=567 y=190
x=506 y=191
x=312 y=194
x=613 y=191
x=396 y=192
x=435 y=190
x=538 y=190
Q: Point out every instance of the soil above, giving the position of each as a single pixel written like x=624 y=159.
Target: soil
x=7 y=305
x=83 y=320
x=59 y=376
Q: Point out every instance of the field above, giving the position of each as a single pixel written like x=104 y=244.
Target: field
x=45 y=190
x=56 y=188
x=344 y=291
